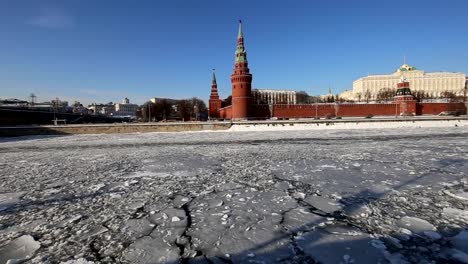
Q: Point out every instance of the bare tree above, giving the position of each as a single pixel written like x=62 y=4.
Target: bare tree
x=193 y=109
x=449 y=96
x=367 y=95
x=302 y=97
x=359 y=96
x=385 y=94
x=143 y=112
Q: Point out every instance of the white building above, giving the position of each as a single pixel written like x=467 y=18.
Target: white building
x=125 y=108
x=269 y=96
x=347 y=95
x=95 y=108
x=431 y=83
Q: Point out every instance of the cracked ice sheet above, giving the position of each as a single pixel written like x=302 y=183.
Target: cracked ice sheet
x=345 y=245
x=242 y=225
x=96 y=196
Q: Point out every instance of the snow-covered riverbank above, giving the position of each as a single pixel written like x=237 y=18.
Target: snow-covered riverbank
x=375 y=124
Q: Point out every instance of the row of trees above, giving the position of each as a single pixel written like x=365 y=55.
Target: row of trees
x=170 y=109
x=387 y=94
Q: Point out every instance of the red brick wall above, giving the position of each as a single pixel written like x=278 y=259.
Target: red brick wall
x=352 y=110
x=323 y=110
x=225 y=112
x=368 y=109
x=261 y=111
x=437 y=108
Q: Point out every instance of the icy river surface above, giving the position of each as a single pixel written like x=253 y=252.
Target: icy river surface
x=336 y=196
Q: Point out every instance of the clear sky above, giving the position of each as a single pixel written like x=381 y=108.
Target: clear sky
x=104 y=50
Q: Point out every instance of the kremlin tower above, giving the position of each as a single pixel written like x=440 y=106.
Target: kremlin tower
x=214 y=102
x=403 y=90
x=241 y=80
x=405 y=98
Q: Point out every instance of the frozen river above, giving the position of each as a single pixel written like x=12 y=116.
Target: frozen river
x=331 y=196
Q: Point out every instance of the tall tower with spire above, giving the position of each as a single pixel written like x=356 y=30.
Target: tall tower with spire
x=214 y=102
x=241 y=81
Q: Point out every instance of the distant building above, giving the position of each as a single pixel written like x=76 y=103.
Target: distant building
x=108 y=110
x=433 y=84
x=79 y=108
x=13 y=102
x=103 y=109
x=269 y=96
x=57 y=103
x=96 y=108
x=346 y=95
x=126 y=108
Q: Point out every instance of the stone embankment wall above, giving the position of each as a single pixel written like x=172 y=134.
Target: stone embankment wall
x=110 y=128
x=304 y=124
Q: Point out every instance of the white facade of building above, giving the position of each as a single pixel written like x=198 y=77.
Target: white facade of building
x=431 y=83
x=96 y=108
x=269 y=96
x=126 y=108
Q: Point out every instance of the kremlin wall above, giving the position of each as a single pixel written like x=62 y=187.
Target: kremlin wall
x=244 y=108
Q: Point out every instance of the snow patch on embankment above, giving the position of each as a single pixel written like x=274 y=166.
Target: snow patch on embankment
x=347 y=125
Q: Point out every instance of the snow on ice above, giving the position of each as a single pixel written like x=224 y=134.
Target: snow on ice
x=330 y=196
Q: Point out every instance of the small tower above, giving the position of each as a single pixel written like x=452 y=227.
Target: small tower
x=403 y=92
x=241 y=81
x=214 y=102
x=405 y=98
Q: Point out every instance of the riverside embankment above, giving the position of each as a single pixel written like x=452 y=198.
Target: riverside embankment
x=301 y=124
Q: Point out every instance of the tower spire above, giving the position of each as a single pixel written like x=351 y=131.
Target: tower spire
x=213 y=81
x=241 y=54
x=214 y=88
x=240 y=34
x=214 y=102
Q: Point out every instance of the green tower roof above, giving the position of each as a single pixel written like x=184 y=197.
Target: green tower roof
x=241 y=54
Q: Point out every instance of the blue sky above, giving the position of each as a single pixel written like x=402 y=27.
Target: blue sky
x=101 y=51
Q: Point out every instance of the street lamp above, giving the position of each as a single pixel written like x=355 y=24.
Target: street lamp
x=396 y=109
x=316 y=107
x=55 y=106
x=149 y=112
x=195 y=110
x=464 y=92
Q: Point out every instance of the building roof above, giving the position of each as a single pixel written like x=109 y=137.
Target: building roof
x=274 y=90
x=406 y=67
